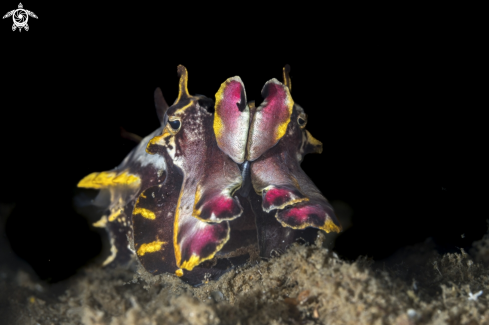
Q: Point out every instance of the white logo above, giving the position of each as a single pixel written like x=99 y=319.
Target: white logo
x=20 y=17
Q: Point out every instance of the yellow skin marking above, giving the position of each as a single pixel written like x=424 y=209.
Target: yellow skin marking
x=286 y=78
x=150 y=247
x=108 y=179
x=282 y=128
x=101 y=223
x=218 y=126
x=182 y=110
x=194 y=259
x=316 y=143
x=166 y=133
x=304 y=199
x=178 y=256
x=113 y=253
x=114 y=215
x=191 y=263
x=179 y=272
x=153 y=141
x=328 y=226
x=125 y=178
x=182 y=90
x=148 y=214
x=144 y=213
x=292 y=202
x=159 y=140
x=198 y=195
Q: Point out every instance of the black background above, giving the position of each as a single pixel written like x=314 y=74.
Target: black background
x=386 y=98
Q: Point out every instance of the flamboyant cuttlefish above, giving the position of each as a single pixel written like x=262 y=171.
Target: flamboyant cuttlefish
x=217 y=182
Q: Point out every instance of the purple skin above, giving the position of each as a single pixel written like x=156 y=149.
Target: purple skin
x=218 y=187
x=290 y=206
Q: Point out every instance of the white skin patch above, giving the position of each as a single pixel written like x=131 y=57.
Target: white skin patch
x=142 y=156
x=171 y=152
x=113 y=253
x=130 y=249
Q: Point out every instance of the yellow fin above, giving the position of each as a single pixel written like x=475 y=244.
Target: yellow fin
x=108 y=179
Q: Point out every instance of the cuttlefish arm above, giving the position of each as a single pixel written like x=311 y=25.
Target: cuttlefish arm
x=270 y=176
x=276 y=174
x=203 y=205
x=285 y=187
x=119 y=188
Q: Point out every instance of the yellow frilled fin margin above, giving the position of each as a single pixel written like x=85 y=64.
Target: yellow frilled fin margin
x=109 y=179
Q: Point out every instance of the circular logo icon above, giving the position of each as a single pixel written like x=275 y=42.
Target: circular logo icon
x=20 y=17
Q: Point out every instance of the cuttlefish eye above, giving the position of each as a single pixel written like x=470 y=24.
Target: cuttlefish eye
x=302 y=120
x=175 y=125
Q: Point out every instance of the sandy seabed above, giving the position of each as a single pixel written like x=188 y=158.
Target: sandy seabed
x=306 y=285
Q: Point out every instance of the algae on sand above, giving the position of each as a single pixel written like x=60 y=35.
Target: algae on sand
x=306 y=285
